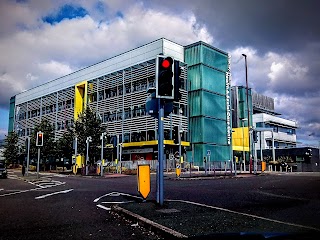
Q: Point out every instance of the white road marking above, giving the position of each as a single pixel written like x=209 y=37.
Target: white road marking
x=246 y=214
x=54 y=193
x=282 y=196
x=108 y=194
x=116 y=194
x=103 y=207
x=22 y=191
x=1 y=189
x=117 y=202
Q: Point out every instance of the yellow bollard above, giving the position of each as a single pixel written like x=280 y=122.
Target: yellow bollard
x=263 y=166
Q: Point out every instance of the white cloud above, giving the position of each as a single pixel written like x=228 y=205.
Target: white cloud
x=55 y=68
x=42 y=52
x=274 y=70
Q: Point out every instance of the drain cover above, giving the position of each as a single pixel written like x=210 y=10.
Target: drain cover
x=168 y=210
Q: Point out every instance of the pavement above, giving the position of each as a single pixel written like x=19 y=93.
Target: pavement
x=177 y=219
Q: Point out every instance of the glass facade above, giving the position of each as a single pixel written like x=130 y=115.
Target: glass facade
x=208 y=105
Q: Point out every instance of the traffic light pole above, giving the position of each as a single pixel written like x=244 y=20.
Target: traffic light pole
x=160 y=153
x=28 y=155
x=38 y=162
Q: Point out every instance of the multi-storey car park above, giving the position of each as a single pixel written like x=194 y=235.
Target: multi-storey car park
x=117 y=90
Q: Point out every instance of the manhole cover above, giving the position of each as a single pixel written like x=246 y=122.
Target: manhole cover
x=168 y=210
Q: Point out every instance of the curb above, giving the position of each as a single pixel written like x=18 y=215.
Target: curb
x=163 y=230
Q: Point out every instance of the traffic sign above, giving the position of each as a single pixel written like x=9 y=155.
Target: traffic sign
x=208 y=152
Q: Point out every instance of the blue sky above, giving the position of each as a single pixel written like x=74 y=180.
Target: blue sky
x=44 y=40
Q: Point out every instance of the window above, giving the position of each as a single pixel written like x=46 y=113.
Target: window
x=68 y=104
x=259 y=124
x=101 y=95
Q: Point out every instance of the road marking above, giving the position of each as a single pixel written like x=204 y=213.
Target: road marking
x=22 y=191
x=1 y=189
x=117 y=202
x=282 y=196
x=103 y=207
x=54 y=193
x=108 y=194
x=246 y=214
x=116 y=194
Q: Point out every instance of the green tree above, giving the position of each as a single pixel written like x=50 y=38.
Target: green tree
x=65 y=145
x=89 y=125
x=11 y=150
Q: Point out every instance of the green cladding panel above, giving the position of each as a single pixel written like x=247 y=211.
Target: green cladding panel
x=207 y=67
x=11 y=114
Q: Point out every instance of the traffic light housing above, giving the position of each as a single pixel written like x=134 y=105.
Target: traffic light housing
x=177 y=83
x=175 y=134
x=164 y=77
x=39 y=141
x=255 y=136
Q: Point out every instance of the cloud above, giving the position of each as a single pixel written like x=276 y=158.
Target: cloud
x=45 y=51
x=290 y=81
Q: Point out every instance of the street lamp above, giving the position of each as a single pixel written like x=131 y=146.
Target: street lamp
x=243 y=152
x=247 y=93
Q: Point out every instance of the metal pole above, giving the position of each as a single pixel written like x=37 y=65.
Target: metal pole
x=38 y=162
x=75 y=154
x=28 y=155
x=261 y=157
x=101 y=168
x=179 y=136
x=243 y=153
x=273 y=152
x=87 y=158
x=255 y=159
x=160 y=151
x=117 y=152
x=247 y=95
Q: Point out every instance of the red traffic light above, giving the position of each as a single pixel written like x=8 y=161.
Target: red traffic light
x=165 y=63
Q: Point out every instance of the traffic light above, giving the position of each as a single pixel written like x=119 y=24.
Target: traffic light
x=175 y=134
x=177 y=83
x=39 y=142
x=255 y=136
x=164 y=77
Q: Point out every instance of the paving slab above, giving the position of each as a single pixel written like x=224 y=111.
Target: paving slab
x=183 y=219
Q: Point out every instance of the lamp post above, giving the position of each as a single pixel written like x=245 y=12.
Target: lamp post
x=247 y=93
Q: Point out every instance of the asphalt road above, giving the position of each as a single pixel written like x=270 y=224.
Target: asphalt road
x=60 y=207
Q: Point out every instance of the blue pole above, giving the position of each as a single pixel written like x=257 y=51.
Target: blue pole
x=160 y=152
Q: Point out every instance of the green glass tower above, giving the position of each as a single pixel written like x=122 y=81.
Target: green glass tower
x=209 y=102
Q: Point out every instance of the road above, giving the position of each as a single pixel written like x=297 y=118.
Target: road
x=60 y=206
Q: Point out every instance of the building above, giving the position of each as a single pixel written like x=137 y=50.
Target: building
x=264 y=116
x=117 y=89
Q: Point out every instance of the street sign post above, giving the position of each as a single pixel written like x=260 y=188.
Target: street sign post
x=208 y=156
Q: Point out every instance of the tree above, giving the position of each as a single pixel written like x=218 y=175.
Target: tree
x=65 y=144
x=89 y=125
x=11 y=150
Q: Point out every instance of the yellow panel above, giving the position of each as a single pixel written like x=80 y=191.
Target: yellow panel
x=153 y=142
x=140 y=144
x=240 y=139
x=80 y=98
x=144 y=183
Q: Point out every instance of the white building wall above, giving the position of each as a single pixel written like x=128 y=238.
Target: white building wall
x=278 y=136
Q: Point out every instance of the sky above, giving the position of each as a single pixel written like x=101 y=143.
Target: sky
x=41 y=40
